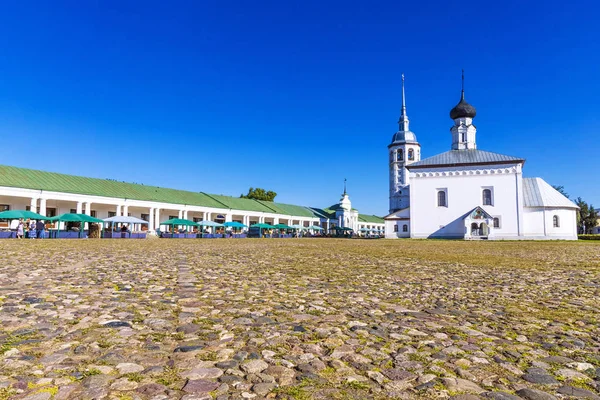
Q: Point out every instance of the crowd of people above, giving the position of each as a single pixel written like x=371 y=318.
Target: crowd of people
x=31 y=230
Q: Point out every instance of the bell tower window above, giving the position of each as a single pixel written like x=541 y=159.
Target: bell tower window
x=411 y=154
x=400 y=155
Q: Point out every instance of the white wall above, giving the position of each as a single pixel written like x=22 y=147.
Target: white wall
x=464 y=193
x=539 y=223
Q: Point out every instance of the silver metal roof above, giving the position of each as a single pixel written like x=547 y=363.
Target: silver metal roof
x=465 y=157
x=404 y=136
x=538 y=193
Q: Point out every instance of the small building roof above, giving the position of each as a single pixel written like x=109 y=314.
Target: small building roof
x=538 y=193
x=465 y=157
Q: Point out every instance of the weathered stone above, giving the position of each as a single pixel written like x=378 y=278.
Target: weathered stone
x=540 y=379
x=578 y=392
x=263 y=389
x=200 y=386
x=534 y=394
x=254 y=366
x=127 y=368
x=461 y=385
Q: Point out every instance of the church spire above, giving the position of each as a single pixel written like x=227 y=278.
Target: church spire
x=403 y=121
x=462 y=92
x=344 y=186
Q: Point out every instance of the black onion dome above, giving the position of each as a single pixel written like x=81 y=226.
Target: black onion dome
x=463 y=109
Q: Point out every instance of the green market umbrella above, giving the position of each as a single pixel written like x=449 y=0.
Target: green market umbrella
x=75 y=218
x=262 y=226
x=179 y=221
x=18 y=214
x=235 y=224
x=282 y=226
x=68 y=217
x=315 y=227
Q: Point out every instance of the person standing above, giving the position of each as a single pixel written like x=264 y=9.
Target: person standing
x=31 y=230
x=40 y=229
x=20 y=229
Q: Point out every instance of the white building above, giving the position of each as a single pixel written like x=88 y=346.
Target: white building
x=468 y=193
x=52 y=194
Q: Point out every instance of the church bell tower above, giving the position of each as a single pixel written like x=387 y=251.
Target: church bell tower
x=404 y=150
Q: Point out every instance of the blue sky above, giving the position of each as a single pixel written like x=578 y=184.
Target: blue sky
x=294 y=96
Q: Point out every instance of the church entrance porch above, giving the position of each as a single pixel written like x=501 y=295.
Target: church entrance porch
x=478 y=224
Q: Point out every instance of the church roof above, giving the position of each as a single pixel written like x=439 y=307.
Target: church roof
x=463 y=109
x=538 y=193
x=465 y=157
x=403 y=137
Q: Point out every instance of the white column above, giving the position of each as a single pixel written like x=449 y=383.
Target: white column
x=208 y=216
x=79 y=207
x=180 y=214
x=33 y=205
x=42 y=207
x=151 y=219
x=185 y=214
x=157 y=220
x=88 y=208
x=125 y=210
x=228 y=217
x=118 y=210
x=204 y=215
x=275 y=221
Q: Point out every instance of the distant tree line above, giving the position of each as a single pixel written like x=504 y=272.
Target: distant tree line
x=259 y=194
x=587 y=215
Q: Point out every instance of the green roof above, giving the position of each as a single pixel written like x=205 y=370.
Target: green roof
x=370 y=218
x=55 y=182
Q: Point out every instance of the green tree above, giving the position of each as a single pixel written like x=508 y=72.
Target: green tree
x=561 y=190
x=259 y=194
x=587 y=216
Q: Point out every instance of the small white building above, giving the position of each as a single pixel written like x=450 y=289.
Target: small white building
x=466 y=193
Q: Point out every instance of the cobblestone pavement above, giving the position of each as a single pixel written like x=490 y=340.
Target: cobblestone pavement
x=298 y=319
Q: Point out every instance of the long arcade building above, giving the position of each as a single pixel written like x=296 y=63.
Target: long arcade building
x=52 y=194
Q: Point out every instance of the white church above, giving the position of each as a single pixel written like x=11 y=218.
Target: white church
x=467 y=193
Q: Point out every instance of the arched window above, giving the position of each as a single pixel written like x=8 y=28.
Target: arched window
x=496 y=222
x=487 y=197
x=404 y=228
x=395 y=228
x=411 y=154
x=442 y=199
x=400 y=155
x=556 y=221
x=463 y=137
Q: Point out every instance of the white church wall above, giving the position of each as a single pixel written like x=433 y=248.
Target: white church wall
x=539 y=223
x=464 y=193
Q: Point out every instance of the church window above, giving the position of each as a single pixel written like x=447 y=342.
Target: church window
x=411 y=154
x=556 y=221
x=404 y=228
x=496 y=222
x=441 y=198
x=400 y=155
x=487 y=197
x=463 y=137
x=395 y=228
